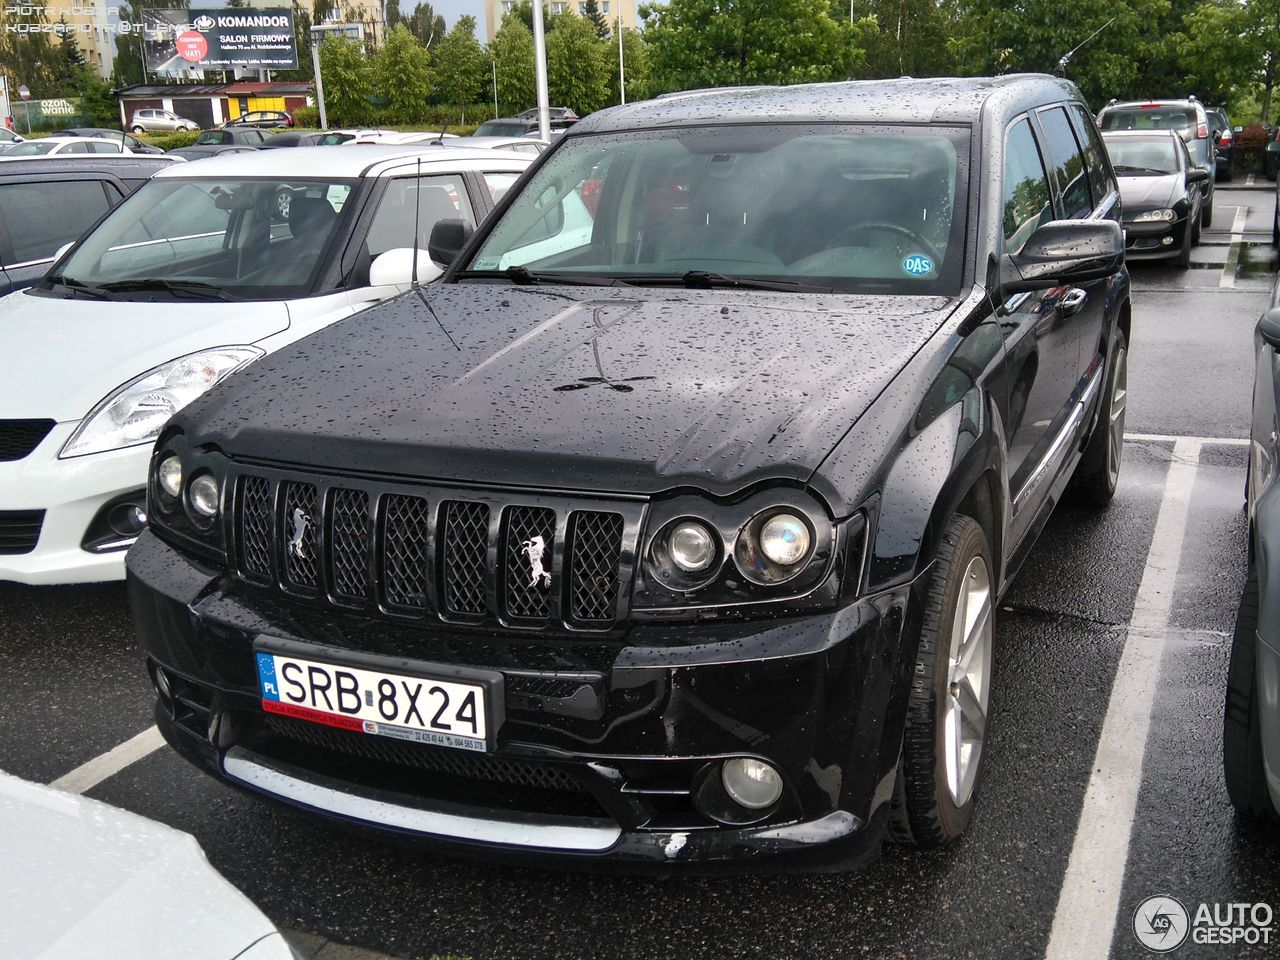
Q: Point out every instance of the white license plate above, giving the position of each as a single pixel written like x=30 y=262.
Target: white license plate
x=443 y=713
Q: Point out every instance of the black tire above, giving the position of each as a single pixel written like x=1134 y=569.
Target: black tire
x=1206 y=210
x=137 y=129
x=1275 y=224
x=924 y=812
x=1183 y=260
x=1097 y=477
x=1241 y=731
x=1268 y=167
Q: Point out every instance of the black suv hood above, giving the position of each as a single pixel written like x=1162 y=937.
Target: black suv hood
x=627 y=390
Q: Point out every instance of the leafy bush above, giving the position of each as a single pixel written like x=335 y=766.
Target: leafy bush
x=308 y=117
x=167 y=141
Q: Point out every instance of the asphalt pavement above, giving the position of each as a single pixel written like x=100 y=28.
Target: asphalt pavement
x=1131 y=605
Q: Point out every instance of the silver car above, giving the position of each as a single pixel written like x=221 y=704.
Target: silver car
x=152 y=119
x=1188 y=117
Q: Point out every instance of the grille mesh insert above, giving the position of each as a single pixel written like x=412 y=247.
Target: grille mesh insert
x=466 y=549
x=405 y=551
x=255 y=527
x=349 y=544
x=596 y=542
x=301 y=517
x=525 y=595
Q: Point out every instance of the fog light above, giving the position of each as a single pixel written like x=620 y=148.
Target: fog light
x=127 y=519
x=169 y=476
x=751 y=783
x=203 y=494
x=692 y=546
x=784 y=539
x=1167 y=241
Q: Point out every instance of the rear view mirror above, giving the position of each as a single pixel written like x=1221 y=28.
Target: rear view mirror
x=1273 y=146
x=1063 y=252
x=395 y=268
x=1197 y=175
x=448 y=237
x=1269 y=327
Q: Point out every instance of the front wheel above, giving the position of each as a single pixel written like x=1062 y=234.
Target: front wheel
x=1098 y=473
x=1206 y=210
x=137 y=129
x=945 y=732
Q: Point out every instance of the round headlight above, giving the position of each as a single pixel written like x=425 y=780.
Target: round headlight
x=784 y=539
x=692 y=546
x=751 y=783
x=169 y=475
x=203 y=494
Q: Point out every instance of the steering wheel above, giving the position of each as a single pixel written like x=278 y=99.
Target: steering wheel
x=842 y=238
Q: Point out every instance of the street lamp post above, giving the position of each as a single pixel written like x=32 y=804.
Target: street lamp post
x=622 y=73
x=495 y=87
x=540 y=72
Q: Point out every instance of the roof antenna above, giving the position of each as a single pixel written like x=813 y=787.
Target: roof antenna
x=413 y=276
x=1066 y=57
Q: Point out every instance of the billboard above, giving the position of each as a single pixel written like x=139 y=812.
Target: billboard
x=179 y=41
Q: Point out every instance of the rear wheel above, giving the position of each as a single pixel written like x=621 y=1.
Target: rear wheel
x=1098 y=472
x=1275 y=223
x=1206 y=210
x=137 y=129
x=1241 y=730
x=942 y=743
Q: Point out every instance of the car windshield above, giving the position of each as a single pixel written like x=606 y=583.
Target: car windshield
x=839 y=207
x=496 y=128
x=227 y=238
x=214 y=137
x=1182 y=119
x=32 y=148
x=1142 y=156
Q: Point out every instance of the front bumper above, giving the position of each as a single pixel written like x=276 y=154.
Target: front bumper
x=1154 y=241
x=606 y=744
x=70 y=493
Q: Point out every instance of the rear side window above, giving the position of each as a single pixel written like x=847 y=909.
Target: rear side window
x=214 y=136
x=1027 y=201
x=1095 y=165
x=1067 y=163
x=427 y=201
x=41 y=217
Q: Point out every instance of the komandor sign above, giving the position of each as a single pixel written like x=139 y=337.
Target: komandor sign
x=240 y=38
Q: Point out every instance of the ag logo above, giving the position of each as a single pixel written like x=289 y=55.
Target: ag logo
x=203 y=22
x=917 y=265
x=1161 y=924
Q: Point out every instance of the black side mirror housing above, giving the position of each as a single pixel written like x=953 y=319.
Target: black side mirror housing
x=1269 y=327
x=448 y=237
x=1273 y=146
x=1197 y=175
x=1063 y=252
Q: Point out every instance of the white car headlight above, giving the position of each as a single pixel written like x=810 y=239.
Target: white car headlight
x=134 y=413
x=1154 y=216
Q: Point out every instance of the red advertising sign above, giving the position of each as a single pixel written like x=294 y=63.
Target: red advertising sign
x=192 y=46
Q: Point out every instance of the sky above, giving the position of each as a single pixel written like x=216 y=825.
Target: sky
x=451 y=10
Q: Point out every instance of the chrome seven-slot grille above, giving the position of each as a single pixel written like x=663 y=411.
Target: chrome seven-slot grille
x=456 y=554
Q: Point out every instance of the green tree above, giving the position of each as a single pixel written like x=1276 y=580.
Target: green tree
x=910 y=37
x=591 y=12
x=425 y=24
x=461 y=66
x=348 y=81
x=28 y=57
x=512 y=51
x=577 y=71
x=402 y=73
x=1250 y=30
x=697 y=43
x=636 y=57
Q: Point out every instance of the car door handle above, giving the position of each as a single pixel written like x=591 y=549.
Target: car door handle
x=1072 y=302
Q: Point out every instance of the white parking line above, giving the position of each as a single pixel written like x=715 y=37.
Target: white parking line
x=1171 y=438
x=93 y=772
x=1228 y=278
x=1248 y=181
x=1085 y=918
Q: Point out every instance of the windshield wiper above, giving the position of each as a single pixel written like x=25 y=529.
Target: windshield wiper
x=1120 y=167
x=79 y=286
x=523 y=275
x=703 y=280
x=192 y=288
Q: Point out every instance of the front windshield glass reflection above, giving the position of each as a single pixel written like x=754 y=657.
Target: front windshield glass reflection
x=242 y=238
x=841 y=207
x=1142 y=157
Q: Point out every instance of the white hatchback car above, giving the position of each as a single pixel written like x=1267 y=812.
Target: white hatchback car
x=65 y=147
x=207 y=267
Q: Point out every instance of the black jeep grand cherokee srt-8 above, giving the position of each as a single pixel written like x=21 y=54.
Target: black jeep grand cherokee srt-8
x=668 y=527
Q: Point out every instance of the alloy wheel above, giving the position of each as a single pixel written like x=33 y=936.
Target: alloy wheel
x=968 y=681
x=1115 y=411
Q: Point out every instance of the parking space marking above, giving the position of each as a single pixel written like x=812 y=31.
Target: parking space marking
x=1228 y=278
x=1202 y=441
x=1248 y=181
x=1085 y=918
x=92 y=773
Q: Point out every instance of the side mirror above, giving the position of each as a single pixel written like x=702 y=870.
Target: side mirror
x=1197 y=175
x=62 y=251
x=1269 y=327
x=1273 y=146
x=1063 y=252
x=448 y=237
x=395 y=268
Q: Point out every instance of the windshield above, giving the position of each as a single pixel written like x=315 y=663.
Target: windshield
x=1182 y=119
x=495 y=128
x=32 y=148
x=843 y=207
x=257 y=239
x=1143 y=156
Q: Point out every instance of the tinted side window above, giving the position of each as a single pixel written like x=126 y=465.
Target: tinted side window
x=1096 y=169
x=41 y=217
x=1067 y=164
x=1027 y=202
x=428 y=200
